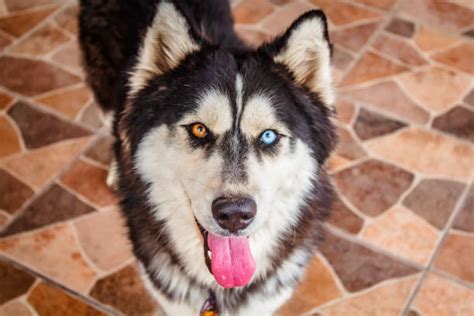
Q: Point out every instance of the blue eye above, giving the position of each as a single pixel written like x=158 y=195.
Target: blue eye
x=269 y=137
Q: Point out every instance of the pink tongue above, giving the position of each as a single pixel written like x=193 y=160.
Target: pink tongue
x=232 y=263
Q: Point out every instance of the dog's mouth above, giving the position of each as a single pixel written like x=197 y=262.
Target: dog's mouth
x=228 y=258
x=207 y=252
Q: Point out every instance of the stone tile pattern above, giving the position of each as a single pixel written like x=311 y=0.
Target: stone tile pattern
x=402 y=169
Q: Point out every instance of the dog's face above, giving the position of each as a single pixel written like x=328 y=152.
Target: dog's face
x=229 y=144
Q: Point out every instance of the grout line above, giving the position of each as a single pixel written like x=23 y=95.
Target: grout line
x=95 y=163
x=364 y=243
x=14 y=125
x=78 y=195
x=99 y=273
x=444 y=235
x=340 y=286
x=37 y=27
x=53 y=282
x=374 y=287
x=363 y=50
x=452 y=278
x=57 y=176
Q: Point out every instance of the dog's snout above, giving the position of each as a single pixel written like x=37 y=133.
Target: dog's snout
x=234 y=214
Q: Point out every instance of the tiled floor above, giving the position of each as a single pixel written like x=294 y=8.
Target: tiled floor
x=401 y=238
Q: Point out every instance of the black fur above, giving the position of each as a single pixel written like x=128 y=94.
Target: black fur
x=111 y=32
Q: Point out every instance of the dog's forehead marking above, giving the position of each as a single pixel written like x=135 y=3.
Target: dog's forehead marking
x=213 y=110
x=238 y=94
x=258 y=115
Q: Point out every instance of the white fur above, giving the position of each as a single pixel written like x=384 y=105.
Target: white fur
x=306 y=51
x=112 y=175
x=171 y=28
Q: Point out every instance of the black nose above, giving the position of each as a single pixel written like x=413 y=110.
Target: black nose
x=234 y=214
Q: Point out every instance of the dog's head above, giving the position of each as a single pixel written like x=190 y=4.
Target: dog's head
x=229 y=143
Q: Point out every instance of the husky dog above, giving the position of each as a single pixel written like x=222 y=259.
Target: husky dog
x=220 y=148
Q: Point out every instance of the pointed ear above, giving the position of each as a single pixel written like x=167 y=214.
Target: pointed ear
x=304 y=49
x=168 y=40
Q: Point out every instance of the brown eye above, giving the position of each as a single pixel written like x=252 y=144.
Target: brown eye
x=199 y=130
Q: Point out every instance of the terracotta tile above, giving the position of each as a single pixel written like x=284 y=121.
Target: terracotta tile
x=428 y=39
x=124 y=291
x=371 y=66
x=14 y=282
x=345 y=111
x=340 y=59
x=358 y=267
x=460 y=247
x=380 y=4
x=465 y=218
x=402 y=233
x=389 y=98
x=18 y=24
x=459 y=57
x=5 y=100
x=336 y=162
x=401 y=27
x=3 y=9
x=399 y=49
x=341 y=13
x=95 y=188
x=469 y=33
x=469 y=98
x=18 y=5
x=91 y=115
x=279 y=2
x=54 y=205
x=102 y=151
x=40 y=129
x=9 y=138
x=412 y=312
x=68 y=19
x=459 y=122
x=284 y=16
x=435 y=88
x=251 y=12
x=252 y=37
x=54 y=253
x=426 y=152
x=438 y=296
x=4 y=42
x=15 y=308
x=38 y=167
x=17 y=73
x=51 y=301
x=465 y=3
x=70 y=56
x=370 y=124
x=443 y=13
x=373 y=186
x=356 y=37
x=347 y=146
x=69 y=102
x=388 y=299
x=317 y=287
x=342 y=217
x=41 y=42
x=434 y=200
x=95 y=233
x=4 y=218
x=14 y=192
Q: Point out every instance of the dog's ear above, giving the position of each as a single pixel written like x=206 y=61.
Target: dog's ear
x=168 y=40
x=304 y=49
